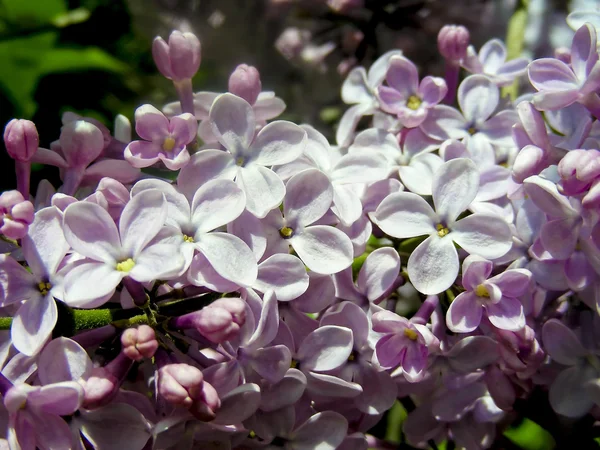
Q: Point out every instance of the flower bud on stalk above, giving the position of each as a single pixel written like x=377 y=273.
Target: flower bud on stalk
x=453 y=41
x=218 y=322
x=22 y=141
x=104 y=382
x=139 y=343
x=245 y=83
x=16 y=214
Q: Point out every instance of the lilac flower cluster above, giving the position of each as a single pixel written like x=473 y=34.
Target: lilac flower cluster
x=261 y=288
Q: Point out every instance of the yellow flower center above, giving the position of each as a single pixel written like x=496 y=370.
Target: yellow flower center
x=286 y=232
x=442 y=230
x=126 y=265
x=293 y=364
x=44 y=287
x=187 y=238
x=472 y=131
x=411 y=334
x=482 y=291
x=413 y=102
x=240 y=161
x=168 y=144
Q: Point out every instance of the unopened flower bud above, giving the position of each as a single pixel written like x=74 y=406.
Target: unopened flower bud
x=81 y=142
x=218 y=322
x=104 y=382
x=453 y=41
x=180 y=58
x=182 y=384
x=16 y=214
x=245 y=83
x=577 y=170
x=531 y=160
x=21 y=139
x=139 y=343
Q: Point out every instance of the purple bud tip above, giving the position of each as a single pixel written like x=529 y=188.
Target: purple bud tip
x=245 y=83
x=16 y=214
x=139 y=343
x=453 y=41
x=21 y=139
x=180 y=58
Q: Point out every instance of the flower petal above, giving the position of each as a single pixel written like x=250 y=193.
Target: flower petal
x=264 y=189
x=323 y=249
x=507 y=314
x=482 y=234
x=279 y=142
x=561 y=343
x=464 y=314
x=379 y=273
x=87 y=285
x=323 y=431
x=309 y=196
x=204 y=166
x=404 y=215
x=284 y=274
x=433 y=265
x=233 y=124
x=326 y=348
x=33 y=324
x=478 y=97
x=141 y=219
x=63 y=360
x=455 y=186
x=217 y=203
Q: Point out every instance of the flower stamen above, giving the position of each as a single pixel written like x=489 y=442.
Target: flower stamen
x=168 y=144
x=413 y=102
x=442 y=230
x=411 y=334
x=286 y=232
x=126 y=265
x=481 y=291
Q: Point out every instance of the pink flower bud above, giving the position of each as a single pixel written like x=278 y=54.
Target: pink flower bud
x=16 y=214
x=21 y=139
x=218 y=322
x=184 y=385
x=453 y=41
x=531 y=160
x=81 y=142
x=180 y=58
x=245 y=83
x=139 y=343
x=100 y=388
x=577 y=170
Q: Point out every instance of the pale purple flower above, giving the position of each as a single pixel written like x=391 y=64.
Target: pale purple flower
x=559 y=84
x=179 y=59
x=497 y=297
x=491 y=61
x=44 y=248
x=324 y=249
x=248 y=156
x=433 y=265
x=405 y=97
x=112 y=253
x=16 y=214
x=163 y=139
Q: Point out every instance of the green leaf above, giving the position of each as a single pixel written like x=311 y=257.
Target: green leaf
x=74 y=59
x=530 y=436
x=396 y=417
x=33 y=12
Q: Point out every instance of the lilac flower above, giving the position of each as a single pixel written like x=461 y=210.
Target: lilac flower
x=324 y=249
x=248 y=155
x=44 y=248
x=112 y=254
x=16 y=214
x=560 y=85
x=164 y=139
x=491 y=61
x=405 y=97
x=180 y=58
x=433 y=265
x=496 y=296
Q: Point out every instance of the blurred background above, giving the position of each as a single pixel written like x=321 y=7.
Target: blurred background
x=93 y=57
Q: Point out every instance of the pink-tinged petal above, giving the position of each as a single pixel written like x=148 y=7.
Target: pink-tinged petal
x=492 y=55
x=331 y=386
x=33 y=324
x=418 y=175
x=309 y=196
x=513 y=282
x=404 y=215
x=379 y=273
x=455 y=186
x=549 y=74
x=456 y=403
x=551 y=100
x=561 y=343
x=176 y=159
x=267 y=326
x=204 y=166
x=119 y=170
x=478 y=97
x=232 y=121
x=142 y=154
x=16 y=282
x=238 y=405
x=414 y=362
x=390 y=100
x=444 y=122
x=150 y=123
x=484 y=235
x=433 y=265
x=388 y=322
x=183 y=128
x=264 y=189
x=250 y=230
x=157 y=261
x=493 y=183
x=284 y=274
x=545 y=196
x=51 y=432
x=49 y=157
x=45 y=246
x=178 y=207
x=346 y=204
x=202 y=273
x=432 y=90
x=267 y=106
x=349 y=315
x=287 y=392
x=215 y=204
x=534 y=124
x=472 y=353
x=592 y=82
x=559 y=237
x=117 y=425
x=61 y=398
x=510 y=70
x=390 y=350
x=319 y=295
x=583 y=51
x=323 y=249
x=402 y=75
x=379 y=392
x=475 y=271
x=464 y=314
x=349 y=121
x=271 y=363
x=568 y=394
x=88 y=285
x=355 y=88
x=63 y=360
x=507 y=314
x=326 y=348
x=323 y=431
x=230 y=257
x=379 y=68
x=91 y=231
x=141 y=219
x=279 y=142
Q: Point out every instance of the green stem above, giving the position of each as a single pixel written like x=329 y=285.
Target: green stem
x=515 y=37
